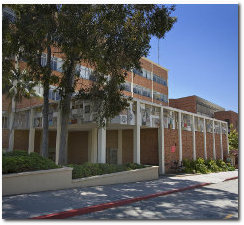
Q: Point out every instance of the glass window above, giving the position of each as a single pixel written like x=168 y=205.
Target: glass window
x=54 y=63
x=44 y=59
x=4 y=122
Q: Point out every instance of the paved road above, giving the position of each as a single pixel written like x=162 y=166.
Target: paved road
x=36 y=204
x=217 y=201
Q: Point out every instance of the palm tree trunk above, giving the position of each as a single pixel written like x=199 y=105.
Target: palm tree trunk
x=11 y=126
x=13 y=110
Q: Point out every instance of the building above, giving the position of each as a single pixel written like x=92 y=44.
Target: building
x=148 y=132
x=230 y=117
x=196 y=104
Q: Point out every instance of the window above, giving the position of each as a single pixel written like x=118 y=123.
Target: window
x=54 y=63
x=4 y=122
x=44 y=59
x=159 y=80
x=60 y=63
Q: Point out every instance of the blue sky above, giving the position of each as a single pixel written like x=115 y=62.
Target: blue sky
x=201 y=53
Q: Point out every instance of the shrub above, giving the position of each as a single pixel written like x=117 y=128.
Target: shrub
x=230 y=167
x=93 y=169
x=221 y=164
x=212 y=166
x=20 y=161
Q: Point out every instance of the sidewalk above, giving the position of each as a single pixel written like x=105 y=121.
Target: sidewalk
x=36 y=204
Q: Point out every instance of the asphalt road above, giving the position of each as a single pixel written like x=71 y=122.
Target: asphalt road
x=214 y=202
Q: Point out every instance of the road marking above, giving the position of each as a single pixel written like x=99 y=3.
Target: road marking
x=228 y=216
x=103 y=206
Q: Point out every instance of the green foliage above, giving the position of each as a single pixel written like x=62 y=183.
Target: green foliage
x=222 y=165
x=21 y=161
x=206 y=166
x=93 y=169
x=233 y=138
x=212 y=166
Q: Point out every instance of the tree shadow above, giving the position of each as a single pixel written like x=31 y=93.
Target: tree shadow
x=30 y=205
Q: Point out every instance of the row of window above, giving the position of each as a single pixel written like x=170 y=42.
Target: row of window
x=147 y=74
x=56 y=63
x=137 y=89
x=159 y=80
x=160 y=97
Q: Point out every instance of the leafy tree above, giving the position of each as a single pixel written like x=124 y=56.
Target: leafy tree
x=35 y=28
x=17 y=83
x=233 y=138
x=111 y=39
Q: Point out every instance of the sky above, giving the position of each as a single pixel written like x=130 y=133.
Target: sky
x=201 y=53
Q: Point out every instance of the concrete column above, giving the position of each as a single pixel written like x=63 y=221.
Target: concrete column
x=227 y=139
x=58 y=136
x=193 y=138
x=31 y=132
x=205 y=139
x=214 y=151
x=161 y=162
x=92 y=145
x=120 y=148
x=180 y=136
x=101 y=146
x=221 y=141
x=136 y=135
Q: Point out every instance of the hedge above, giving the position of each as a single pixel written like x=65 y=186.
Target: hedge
x=93 y=169
x=21 y=161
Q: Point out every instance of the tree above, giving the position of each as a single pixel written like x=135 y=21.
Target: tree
x=17 y=83
x=112 y=39
x=233 y=138
x=35 y=28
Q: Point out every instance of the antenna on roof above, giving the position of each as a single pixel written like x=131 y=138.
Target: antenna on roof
x=158 y=50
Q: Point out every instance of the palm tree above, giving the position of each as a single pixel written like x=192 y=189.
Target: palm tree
x=20 y=84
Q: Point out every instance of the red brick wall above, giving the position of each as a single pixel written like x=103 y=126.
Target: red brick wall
x=5 y=137
x=187 y=103
x=217 y=146
x=199 y=144
x=78 y=147
x=23 y=104
x=230 y=115
x=149 y=146
x=209 y=143
x=187 y=145
x=21 y=140
x=170 y=139
x=127 y=146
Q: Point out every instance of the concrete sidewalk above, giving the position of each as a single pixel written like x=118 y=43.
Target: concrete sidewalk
x=36 y=204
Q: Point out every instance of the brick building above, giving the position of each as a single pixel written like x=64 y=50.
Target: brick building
x=195 y=104
x=148 y=132
x=230 y=117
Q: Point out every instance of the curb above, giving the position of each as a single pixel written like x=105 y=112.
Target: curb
x=100 y=207
x=232 y=178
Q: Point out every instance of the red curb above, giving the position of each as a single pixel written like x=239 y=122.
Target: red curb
x=232 y=178
x=95 y=208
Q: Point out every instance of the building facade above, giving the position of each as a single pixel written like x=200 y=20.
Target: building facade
x=148 y=132
x=230 y=117
x=195 y=104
